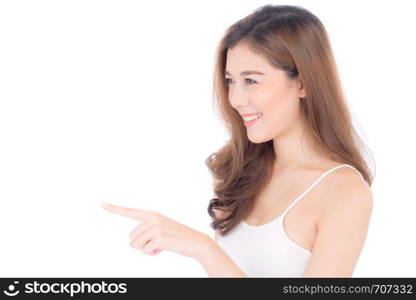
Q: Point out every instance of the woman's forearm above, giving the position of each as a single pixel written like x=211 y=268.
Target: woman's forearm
x=216 y=261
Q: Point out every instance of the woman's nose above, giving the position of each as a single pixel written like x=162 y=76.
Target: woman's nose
x=238 y=98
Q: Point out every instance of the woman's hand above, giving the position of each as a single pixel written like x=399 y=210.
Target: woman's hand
x=157 y=232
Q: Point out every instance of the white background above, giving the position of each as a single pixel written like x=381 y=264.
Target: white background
x=111 y=101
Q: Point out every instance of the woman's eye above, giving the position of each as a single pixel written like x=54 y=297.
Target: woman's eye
x=250 y=81
x=227 y=80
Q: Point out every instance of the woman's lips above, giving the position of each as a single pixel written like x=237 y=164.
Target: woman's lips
x=249 y=123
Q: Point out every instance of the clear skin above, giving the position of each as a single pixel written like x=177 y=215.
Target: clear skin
x=278 y=99
x=343 y=225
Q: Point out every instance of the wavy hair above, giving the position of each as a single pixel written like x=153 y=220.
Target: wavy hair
x=294 y=40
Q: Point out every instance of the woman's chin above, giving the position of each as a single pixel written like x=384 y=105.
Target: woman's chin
x=256 y=139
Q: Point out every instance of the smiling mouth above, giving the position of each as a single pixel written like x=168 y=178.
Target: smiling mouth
x=251 y=117
x=253 y=121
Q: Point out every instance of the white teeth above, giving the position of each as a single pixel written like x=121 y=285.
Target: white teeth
x=247 y=119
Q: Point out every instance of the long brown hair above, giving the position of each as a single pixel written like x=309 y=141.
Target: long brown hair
x=294 y=40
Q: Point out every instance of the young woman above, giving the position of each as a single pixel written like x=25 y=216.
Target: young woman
x=292 y=189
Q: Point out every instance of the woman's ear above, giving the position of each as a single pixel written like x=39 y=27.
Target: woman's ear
x=301 y=89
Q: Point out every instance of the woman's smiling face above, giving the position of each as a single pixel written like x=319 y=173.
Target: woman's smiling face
x=271 y=93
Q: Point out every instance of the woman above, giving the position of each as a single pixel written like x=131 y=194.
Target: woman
x=292 y=190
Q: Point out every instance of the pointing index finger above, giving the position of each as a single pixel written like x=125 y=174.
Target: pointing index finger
x=132 y=213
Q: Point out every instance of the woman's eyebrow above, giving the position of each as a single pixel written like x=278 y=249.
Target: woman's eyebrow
x=246 y=73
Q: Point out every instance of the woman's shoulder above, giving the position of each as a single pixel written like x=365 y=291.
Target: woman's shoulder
x=343 y=222
x=342 y=185
x=343 y=175
x=346 y=178
x=347 y=190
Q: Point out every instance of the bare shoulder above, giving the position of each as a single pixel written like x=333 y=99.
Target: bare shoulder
x=347 y=190
x=348 y=182
x=342 y=226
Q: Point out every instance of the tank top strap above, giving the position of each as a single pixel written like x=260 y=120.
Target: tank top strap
x=315 y=183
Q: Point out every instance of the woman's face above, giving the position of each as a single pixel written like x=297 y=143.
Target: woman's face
x=272 y=94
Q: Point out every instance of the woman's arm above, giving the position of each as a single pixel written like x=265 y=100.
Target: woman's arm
x=216 y=261
x=341 y=230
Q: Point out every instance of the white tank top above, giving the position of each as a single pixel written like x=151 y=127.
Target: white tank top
x=266 y=250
